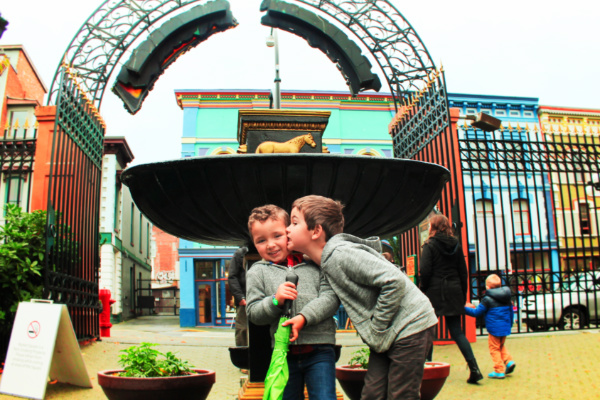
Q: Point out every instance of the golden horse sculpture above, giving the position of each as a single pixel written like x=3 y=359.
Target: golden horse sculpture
x=291 y=146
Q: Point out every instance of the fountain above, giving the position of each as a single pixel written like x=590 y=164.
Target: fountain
x=209 y=199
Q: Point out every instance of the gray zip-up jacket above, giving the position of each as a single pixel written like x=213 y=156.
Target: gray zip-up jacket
x=316 y=300
x=382 y=302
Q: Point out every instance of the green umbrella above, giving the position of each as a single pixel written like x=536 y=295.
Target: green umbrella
x=278 y=373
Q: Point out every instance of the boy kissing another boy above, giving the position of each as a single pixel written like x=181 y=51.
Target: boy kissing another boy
x=392 y=316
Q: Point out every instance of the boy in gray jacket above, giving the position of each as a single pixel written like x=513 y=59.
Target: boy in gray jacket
x=392 y=316
x=311 y=358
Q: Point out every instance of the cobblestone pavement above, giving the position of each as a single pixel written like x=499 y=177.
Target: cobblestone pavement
x=551 y=365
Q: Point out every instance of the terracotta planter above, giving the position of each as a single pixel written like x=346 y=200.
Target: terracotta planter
x=196 y=387
x=352 y=380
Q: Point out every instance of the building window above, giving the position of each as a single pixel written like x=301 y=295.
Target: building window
x=514 y=113
x=501 y=113
x=521 y=218
x=148 y=239
x=131 y=226
x=584 y=218
x=484 y=207
x=140 y=236
x=528 y=114
x=471 y=111
x=14 y=190
x=117 y=208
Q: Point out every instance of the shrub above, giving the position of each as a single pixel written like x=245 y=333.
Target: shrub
x=22 y=249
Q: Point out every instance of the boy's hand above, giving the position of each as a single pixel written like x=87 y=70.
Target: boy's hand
x=286 y=291
x=468 y=304
x=297 y=324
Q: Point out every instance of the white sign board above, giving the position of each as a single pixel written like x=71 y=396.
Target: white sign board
x=42 y=345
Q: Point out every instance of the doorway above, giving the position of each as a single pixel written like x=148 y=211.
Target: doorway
x=205 y=291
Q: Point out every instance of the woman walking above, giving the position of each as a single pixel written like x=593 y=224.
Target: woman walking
x=444 y=281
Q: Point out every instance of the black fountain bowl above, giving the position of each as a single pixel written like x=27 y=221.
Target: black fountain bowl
x=209 y=199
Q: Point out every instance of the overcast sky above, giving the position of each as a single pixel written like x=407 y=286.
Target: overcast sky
x=549 y=50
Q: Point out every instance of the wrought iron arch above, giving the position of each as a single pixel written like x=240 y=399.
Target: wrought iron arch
x=116 y=24
x=104 y=37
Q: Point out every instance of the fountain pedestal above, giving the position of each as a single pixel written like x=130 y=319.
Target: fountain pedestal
x=209 y=199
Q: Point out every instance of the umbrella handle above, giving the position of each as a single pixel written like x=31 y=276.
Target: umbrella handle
x=287 y=304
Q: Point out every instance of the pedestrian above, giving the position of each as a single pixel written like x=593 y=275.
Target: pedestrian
x=498 y=310
x=237 y=285
x=387 y=251
x=391 y=315
x=444 y=280
x=311 y=356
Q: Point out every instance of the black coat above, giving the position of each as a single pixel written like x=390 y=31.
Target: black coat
x=237 y=275
x=443 y=273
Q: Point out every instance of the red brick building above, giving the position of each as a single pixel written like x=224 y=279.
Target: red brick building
x=165 y=266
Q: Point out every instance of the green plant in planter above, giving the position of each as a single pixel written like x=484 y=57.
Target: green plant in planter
x=360 y=358
x=144 y=361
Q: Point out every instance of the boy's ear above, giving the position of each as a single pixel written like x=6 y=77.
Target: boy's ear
x=318 y=232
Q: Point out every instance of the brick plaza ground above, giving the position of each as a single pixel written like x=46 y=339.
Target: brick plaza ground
x=551 y=365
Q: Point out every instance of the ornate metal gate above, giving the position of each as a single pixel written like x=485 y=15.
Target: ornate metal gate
x=533 y=221
x=72 y=254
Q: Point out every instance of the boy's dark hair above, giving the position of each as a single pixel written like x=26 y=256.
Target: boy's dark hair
x=319 y=210
x=268 y=211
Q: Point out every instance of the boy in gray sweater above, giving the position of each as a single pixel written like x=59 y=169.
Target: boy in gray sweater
x=392 y=316
x=311 y=358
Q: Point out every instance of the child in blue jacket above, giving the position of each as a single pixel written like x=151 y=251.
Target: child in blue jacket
x=498 y=310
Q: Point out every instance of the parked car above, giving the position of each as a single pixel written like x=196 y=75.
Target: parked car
x=573 y=306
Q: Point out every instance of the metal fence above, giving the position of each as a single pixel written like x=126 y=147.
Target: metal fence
x=532 y=198
x=72 y=254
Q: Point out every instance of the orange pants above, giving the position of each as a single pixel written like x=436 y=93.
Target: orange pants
x=500 y=356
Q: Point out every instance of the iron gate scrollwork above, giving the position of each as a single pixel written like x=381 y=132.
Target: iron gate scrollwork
x=72 y=254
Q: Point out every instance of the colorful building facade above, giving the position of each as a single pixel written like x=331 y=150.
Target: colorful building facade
x=510 y=221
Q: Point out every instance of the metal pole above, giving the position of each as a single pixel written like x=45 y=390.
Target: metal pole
x=277 y=99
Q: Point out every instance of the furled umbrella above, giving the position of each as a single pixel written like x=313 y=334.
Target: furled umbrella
x=278 y=372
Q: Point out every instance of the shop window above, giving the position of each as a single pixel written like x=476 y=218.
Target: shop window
x=204 y=269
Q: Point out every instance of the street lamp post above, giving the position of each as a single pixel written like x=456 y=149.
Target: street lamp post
x=272 y=41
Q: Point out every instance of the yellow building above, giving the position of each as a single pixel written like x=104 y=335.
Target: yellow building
x=572 y=138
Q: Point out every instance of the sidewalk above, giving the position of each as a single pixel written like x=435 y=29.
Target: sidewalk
x=551 y=365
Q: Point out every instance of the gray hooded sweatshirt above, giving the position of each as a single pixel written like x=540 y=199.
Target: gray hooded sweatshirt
x=316 y=300
x=382 y=302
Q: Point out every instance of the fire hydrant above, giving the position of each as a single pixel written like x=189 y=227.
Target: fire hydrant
x=105 y=324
